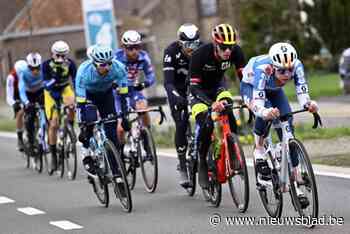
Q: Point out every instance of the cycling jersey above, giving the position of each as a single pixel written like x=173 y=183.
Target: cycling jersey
x=143 y=63
x=88 y=79
x=62 y=73
x=207 y=71
x=175 y=68
x=259 y=74
x=12 y=93
x=29 y=83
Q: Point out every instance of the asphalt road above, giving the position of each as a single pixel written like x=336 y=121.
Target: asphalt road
x=168 y=210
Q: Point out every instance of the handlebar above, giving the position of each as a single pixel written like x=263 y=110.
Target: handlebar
x=108 y=119
x=158 y=109
x=317 y=117
x=231 y=106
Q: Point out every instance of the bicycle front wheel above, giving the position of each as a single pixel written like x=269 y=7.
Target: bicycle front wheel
x=239 y=182
x=70 y=154
x=148 y=160
x=125 y=199
x=303 y=182
x=269 y=192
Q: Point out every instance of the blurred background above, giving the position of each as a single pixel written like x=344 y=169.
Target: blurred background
x=317 y=28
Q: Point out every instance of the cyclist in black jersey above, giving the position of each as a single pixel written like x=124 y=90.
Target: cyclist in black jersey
x=175 y=67
x=208 y=87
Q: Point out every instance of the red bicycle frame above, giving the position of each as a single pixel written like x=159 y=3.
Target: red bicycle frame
x=224 y=164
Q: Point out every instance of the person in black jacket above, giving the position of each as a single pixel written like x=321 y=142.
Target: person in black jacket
x=175 y=67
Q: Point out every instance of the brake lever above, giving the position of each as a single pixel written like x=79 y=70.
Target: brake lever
x=317 y=120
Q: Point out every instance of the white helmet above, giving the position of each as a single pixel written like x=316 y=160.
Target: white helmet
x=131 y=37
x=20 y=65
x=60 y=47
x=283 y=55
x=34 y=59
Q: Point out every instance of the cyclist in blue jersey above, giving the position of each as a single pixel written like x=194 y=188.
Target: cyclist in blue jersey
x=261 y=89
x=31 y=83
x=136 y=61
x=93 y=84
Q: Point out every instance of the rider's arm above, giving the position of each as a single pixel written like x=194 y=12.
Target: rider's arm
x=10 y=89
x=22 y=89
x=122 y=81
x=238 y=60
x=169 y=75
x=253 y=92
x=196 y=79
x=80 y=89
x=73 y=71
x=301 y=86
x=150 y=77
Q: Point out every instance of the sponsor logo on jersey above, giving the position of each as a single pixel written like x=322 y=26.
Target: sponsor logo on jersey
x=167 y=58
x=225 y=65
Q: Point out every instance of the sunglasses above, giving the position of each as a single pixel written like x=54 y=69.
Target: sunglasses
x=34 y=68
x=103 y=65
x=190 y=44
x=223 y=47
x=60 y=56
x=283 y=71
x=133 y=47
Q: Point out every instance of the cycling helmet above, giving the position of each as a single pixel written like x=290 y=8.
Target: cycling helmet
x=283 y=55
x=20 y=65
x=100 y=53
x=224 y=34
x=60 y=47
x=131 y=37
x=188 y=32
x=34 y=59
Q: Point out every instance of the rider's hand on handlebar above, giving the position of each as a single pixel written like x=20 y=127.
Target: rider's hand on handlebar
x=271 y=113
x=139 y=86
x=219 y=106
x=312 y=106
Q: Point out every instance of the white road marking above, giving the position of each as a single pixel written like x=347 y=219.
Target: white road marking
x=30 y=211
x=321 y=170
x=66 y=225
x=5 y=200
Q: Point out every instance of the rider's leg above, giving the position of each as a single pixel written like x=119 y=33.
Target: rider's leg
x=180 y=117
x=51 y=115
x=19 y=128
x=141 y=105
x=199 y=111
x=69 y=100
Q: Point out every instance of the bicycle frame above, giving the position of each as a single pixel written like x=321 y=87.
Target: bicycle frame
x=284 y=168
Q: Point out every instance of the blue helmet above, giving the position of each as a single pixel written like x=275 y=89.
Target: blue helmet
x=101 y=54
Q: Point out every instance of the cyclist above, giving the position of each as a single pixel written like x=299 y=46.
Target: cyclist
x=176 y=62
x=135 y=60
x=261 y=89
x=13 y=99
x=207 y=86
x=59 y=73
x=31 y=83
x=94 y=81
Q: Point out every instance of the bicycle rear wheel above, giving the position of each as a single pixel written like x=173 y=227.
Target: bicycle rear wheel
x=125 y=201
x=148 y=160
x=70 y=154
x=239 y=182
x=305 y=182
x=270 y=193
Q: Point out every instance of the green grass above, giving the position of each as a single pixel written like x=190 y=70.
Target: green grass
x=320 y=85
x=306 y=132
x=164 y=139
x=341 y=160
x=8 y=125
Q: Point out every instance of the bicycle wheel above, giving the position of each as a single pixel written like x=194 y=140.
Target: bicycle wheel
x=239 y=182
x=130 y=168
x=270 y=193
x=38 y=158
x=126 y=201
x=305 y=182
x=148 y=160
x=191 y=165
x=100 y=187
x=70 y=154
